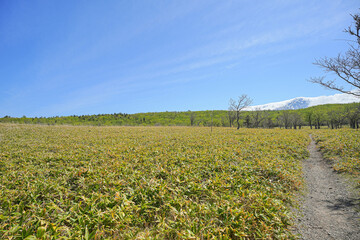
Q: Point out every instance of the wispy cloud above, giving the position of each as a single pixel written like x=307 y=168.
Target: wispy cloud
x=128 y=48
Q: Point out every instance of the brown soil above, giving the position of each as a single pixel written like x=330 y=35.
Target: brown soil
x=328 y=208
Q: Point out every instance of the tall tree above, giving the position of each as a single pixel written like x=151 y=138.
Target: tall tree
x=280 y=121
x=257 y=117
x=309 y=118
x=286 y=119
x=318 y=119
x=242 y=102
x=267 y=120
x=353 y=114
x=296 y=120
x=192 y=118
x=332 y=119
x=247 y=121
x=231 y=116
x=340 y=117
x=345 y=66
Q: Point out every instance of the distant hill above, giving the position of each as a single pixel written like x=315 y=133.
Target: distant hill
x=305 y=102
x=338 y=103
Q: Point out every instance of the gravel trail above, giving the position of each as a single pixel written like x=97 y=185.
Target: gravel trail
x=328 y=207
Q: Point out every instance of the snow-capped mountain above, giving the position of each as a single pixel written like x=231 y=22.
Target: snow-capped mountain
x=304 y=102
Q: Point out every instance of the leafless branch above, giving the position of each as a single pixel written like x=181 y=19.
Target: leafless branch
x=236 y=106
x=345 y=66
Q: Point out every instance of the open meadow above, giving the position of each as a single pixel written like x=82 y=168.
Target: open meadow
x=82 y=182
x=178 y=120
x=148 y=182
x=68 y=182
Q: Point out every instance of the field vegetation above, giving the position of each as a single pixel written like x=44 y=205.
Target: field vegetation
x=68 y=182
x=342 y=147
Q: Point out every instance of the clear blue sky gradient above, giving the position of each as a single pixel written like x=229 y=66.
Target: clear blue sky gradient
x=90 y=57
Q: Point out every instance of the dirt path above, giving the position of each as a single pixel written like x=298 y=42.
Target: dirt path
x=328 y=208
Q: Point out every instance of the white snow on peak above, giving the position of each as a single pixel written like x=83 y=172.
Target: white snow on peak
x=304 y=102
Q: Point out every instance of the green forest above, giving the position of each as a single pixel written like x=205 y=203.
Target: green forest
x=329 y=115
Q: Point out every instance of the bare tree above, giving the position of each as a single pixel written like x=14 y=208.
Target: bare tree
x=345 y=66
x=236 y=106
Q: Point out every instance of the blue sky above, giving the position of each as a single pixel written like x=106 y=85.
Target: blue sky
x=90 y=57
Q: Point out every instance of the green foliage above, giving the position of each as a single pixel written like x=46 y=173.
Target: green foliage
x=203 y=118
x=68 y=182
x=342 y=146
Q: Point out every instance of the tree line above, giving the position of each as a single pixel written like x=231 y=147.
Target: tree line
x=331 y=115
x=295 y=119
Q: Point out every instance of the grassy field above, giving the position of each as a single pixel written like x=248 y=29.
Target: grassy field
x=342 y=147
x=66 y=182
